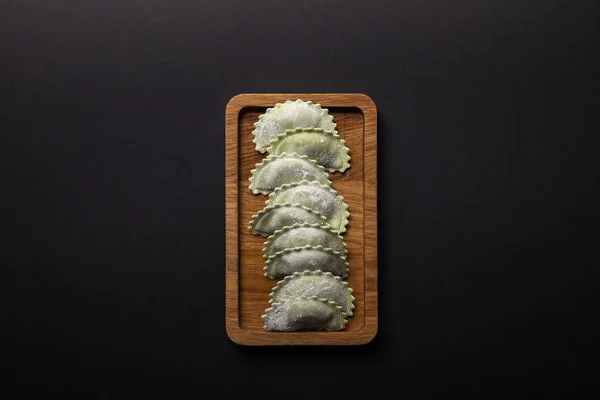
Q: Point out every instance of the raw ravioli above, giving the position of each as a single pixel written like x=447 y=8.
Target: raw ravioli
x=314 y=283
x=311 y=258
x=277 y=170
x=289 y=115
x=299 y=235
x=325 y=147
x=304 y=313
x=316 y=196
x=275 y=217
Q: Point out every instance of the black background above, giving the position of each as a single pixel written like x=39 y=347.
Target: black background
x=113 y=193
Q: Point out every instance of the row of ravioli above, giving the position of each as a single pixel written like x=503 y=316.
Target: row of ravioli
x=303 y=218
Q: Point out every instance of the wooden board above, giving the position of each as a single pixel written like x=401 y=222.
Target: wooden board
x=247 y=289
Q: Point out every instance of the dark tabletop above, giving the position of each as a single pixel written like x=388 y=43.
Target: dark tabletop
x=112 y=165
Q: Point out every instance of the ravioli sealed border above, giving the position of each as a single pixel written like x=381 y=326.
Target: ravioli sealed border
x=247 y=288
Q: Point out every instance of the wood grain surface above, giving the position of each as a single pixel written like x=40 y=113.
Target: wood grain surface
x=247 y=289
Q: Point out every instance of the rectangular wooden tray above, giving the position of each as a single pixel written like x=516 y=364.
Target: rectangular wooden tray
x=247 y=289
